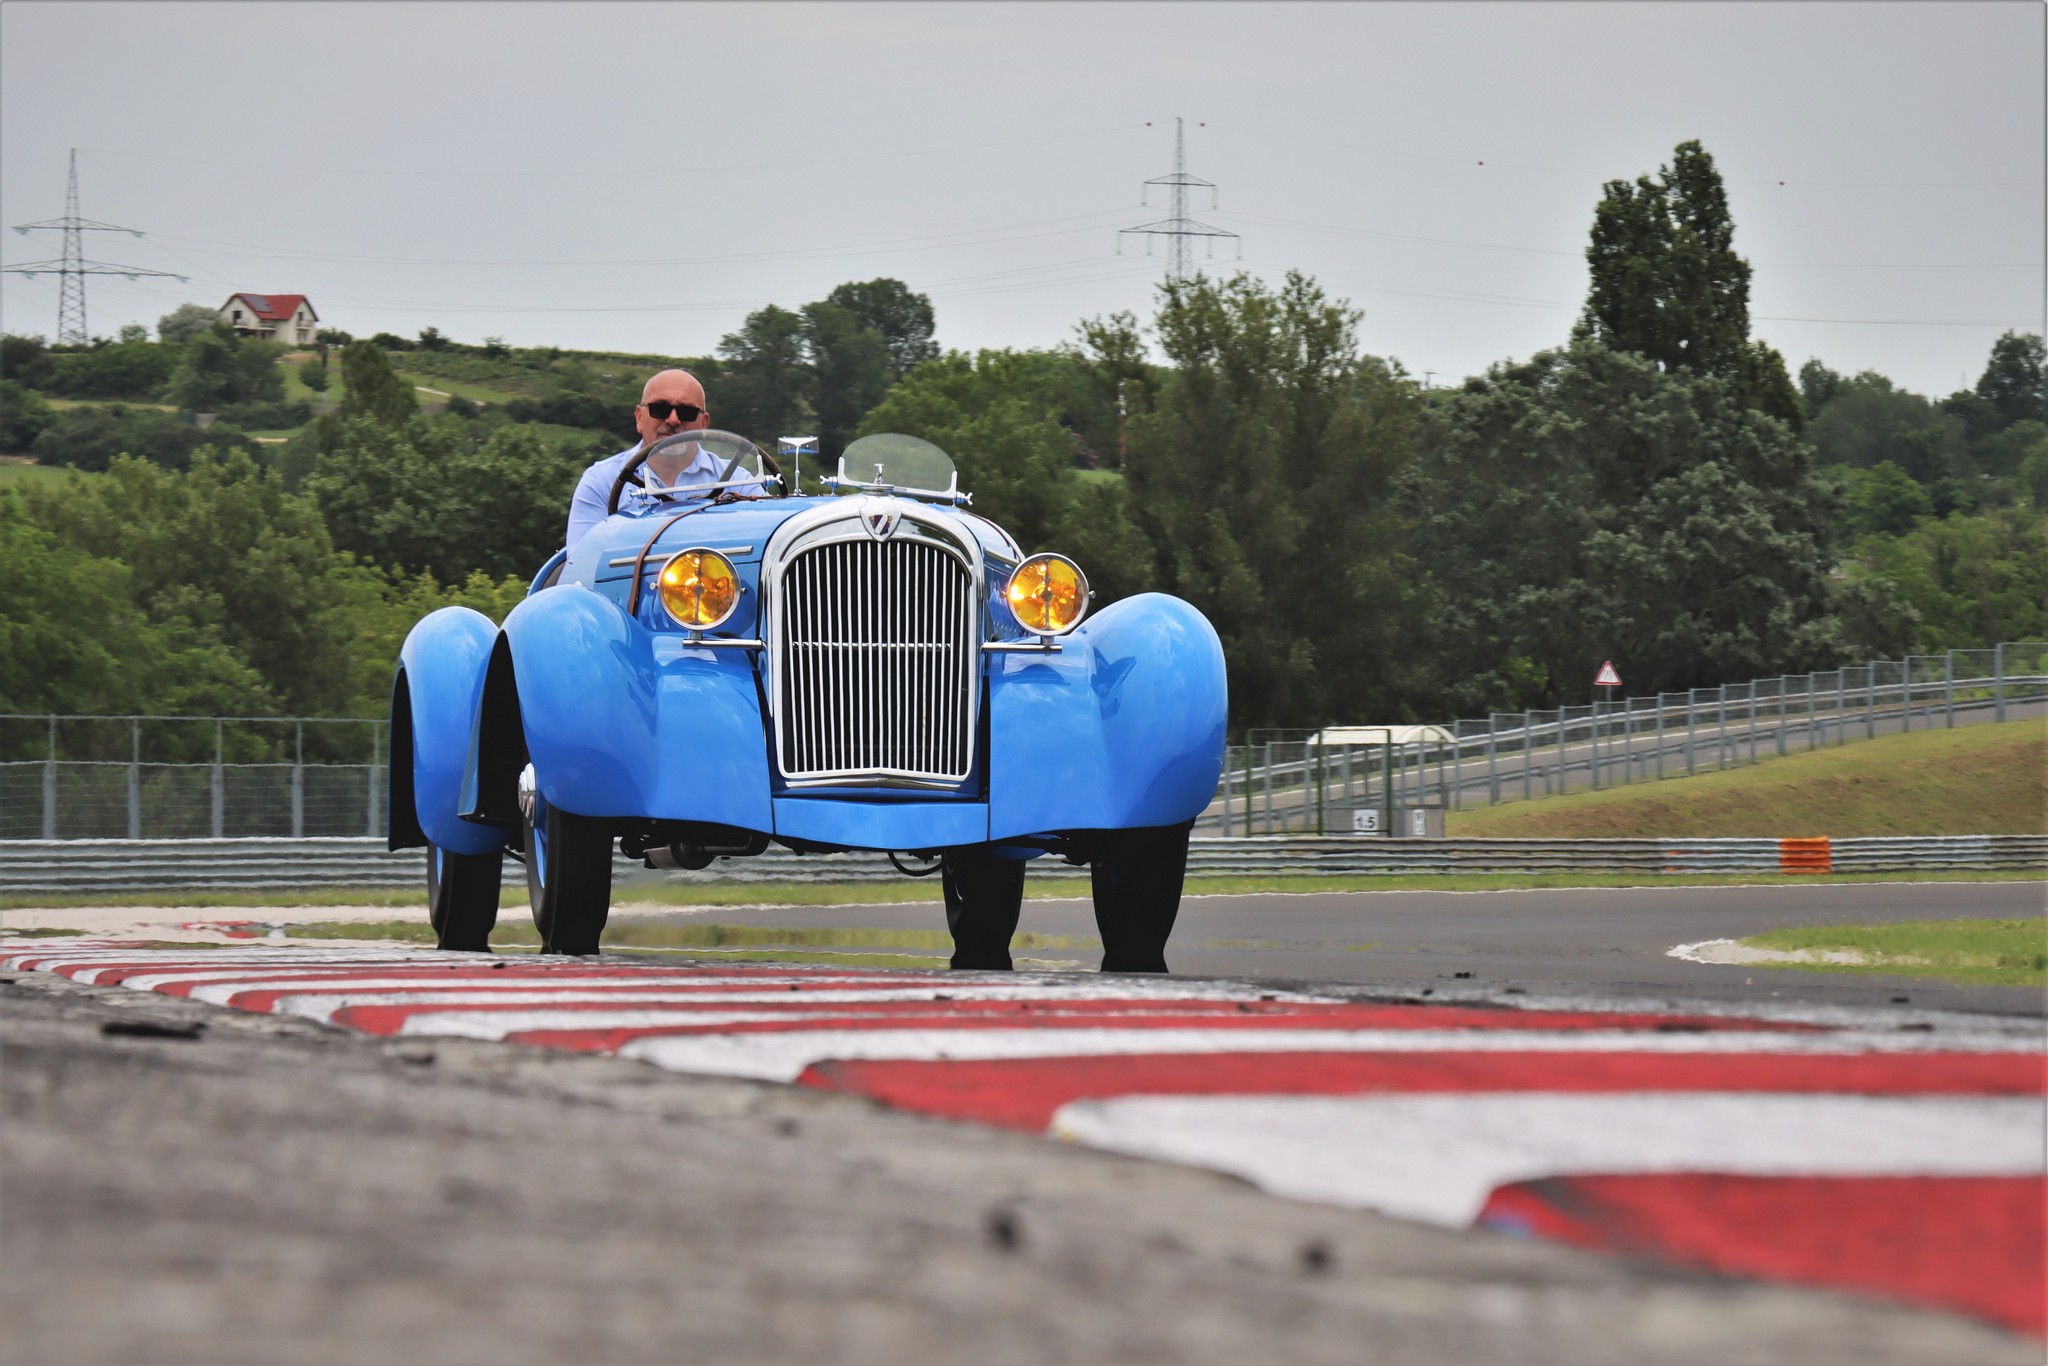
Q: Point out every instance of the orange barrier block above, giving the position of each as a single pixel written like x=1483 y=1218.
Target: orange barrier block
x=1805 y=856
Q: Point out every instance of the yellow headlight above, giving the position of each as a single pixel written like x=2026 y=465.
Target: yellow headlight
x=1048 y=594
x=699 y=588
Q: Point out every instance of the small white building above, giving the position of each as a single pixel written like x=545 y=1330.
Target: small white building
x=287 y=318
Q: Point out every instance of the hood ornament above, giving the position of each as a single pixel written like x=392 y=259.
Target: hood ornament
x=880 y=516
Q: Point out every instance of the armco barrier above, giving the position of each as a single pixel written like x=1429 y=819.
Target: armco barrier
x=96 y=867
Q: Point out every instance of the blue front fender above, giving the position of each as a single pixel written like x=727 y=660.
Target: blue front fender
x=621 y=721
x=1124 y=727
x=434 y=698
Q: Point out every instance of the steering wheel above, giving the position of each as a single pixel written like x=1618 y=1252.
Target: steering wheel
x=629 y=473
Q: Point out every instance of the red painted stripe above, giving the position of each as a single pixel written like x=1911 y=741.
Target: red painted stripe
x=1972 y=1244
x=1023 y=1093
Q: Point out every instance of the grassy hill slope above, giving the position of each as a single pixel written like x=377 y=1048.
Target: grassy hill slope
x=1977 y=780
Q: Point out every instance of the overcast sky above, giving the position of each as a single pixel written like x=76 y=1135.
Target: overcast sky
x=640 y=176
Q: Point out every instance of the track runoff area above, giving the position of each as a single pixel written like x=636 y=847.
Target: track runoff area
x=1831 y=1148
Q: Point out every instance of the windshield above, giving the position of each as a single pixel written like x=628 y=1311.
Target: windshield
x=890 y=462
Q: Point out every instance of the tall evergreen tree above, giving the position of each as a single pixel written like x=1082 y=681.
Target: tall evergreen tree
x=1669 y=285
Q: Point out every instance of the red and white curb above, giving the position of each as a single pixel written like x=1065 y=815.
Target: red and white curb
x=1851 y=1154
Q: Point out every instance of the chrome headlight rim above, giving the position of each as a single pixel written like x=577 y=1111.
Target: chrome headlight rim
x=1087 y=594
x=661 y=586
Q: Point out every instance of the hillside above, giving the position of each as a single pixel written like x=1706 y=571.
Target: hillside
x=1978 y=780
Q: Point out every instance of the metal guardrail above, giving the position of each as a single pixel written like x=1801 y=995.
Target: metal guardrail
x=94 y=867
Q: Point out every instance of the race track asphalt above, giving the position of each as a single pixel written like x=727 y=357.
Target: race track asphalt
x=1605 y=942
x=186 y=1183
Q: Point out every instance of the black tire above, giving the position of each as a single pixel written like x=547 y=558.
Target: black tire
x=462 y=898
x=984 y=897
x=568 y=879
x=1137 y=878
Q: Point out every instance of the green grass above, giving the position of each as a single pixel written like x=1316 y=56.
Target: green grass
x=23 y=472
x=62 y=403
x=2001 y=952
x=1099 y=476
x=1974 y=780
x=1036 y=889
x=475 y=393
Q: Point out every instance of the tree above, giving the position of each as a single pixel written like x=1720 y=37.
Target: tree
x=766 y=385
x=133 y=368
x=74 y=639
x=1867 y=420
x=1669 y=285
x=1974 y=580
x=185 y=322
x=91 y=438
x=407 y=498
x=2015 y=380
x=371 y=389
x=901 y=316
x=24 y=415
x=217 y=368
x=1885 y=500
x=1261 y=476
x=225 y=550
x=26 y=360
x=313 y=374
x=850 y=371
x=1587 y=505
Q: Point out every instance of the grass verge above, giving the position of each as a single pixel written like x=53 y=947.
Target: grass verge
x=1975 y=780
x=2001 y=952
x=1046 y=889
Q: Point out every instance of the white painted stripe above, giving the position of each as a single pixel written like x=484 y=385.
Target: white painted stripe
x=783 y=1054
x=323 y=1005
x=372 y=990
x=218 y=987
x=1436 y=1158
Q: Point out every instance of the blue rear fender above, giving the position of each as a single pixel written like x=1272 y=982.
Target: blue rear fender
x=619 y=721
x=1123 y=728
x=434 y=699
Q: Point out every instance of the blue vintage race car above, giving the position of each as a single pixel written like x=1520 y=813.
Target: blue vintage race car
x=718 y=668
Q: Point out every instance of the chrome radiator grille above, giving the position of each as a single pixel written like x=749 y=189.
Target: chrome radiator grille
x=876 y=664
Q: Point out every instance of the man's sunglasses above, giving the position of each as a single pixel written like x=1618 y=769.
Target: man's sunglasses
x=660 y=408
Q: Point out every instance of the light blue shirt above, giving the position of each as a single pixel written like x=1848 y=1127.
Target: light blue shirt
x=594 y=489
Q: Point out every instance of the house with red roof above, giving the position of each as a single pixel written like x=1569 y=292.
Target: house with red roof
x=287 y=318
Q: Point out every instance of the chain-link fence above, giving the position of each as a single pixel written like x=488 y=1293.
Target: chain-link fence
x=185 y=777
x=171 y=777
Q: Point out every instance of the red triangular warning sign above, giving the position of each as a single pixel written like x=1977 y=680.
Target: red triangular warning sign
x=1607 y=678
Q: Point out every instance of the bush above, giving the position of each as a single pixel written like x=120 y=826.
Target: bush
x=90 y=438
x=313 y=374
x=24 y=415
x=264 y=416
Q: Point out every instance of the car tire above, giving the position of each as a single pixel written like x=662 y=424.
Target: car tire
x=462 y=898
x=984 y=897
x=1137 y=877
x=568 y=878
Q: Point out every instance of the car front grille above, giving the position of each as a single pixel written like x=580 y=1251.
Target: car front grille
x=875 y=650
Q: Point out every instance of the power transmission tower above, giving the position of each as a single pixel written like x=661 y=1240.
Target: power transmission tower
x=72 y=267
x=1178 y=227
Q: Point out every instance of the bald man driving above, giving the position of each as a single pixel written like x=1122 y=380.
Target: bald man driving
x=671 y=402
